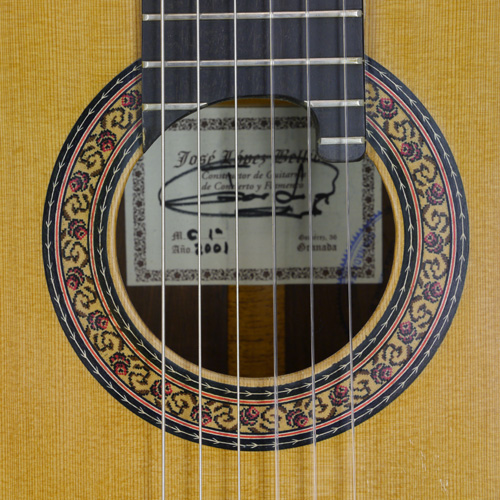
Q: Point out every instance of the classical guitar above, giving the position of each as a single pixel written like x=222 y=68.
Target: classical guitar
x=322 y=322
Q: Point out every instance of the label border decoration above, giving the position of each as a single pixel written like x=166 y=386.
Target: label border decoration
x=386 y=362
x=147 y=275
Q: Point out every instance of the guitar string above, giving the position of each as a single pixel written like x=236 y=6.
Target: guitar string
x=237 y=243
x=200 y=354
x=311 y=269
x=348 y=252
x=163 y=235
x=273 y=168
x=274 y=257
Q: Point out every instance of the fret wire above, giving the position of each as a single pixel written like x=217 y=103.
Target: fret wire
x=187 y=106
x=317 y=61
x=337 y=103
x=180 y=106
x=255 y=15
x=341 y=140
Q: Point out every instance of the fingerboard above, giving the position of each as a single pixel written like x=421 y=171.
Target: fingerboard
x=334 y=58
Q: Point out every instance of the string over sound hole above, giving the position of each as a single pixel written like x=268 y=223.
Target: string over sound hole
x=372 y=242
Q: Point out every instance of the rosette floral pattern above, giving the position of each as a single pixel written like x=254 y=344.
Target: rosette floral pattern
x=121 y=359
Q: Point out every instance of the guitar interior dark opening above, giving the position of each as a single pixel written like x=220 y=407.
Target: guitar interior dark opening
x=372 y=237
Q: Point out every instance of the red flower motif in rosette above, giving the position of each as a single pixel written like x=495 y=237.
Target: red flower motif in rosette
x=435 y=194
x=297 y=418
x=387 y=108
x=75 y=278
x=77 y=229
x=106 y=140
x=120 y=363
x=411 y=151
x=407 y=332
x=249 y=416
x=79 y=181
x=97 y=321
x=206 y=415
x=339 y=395
x=432 y=291
x=132 y=100
x=434 y=243
x=156 y=389
x=381 y=373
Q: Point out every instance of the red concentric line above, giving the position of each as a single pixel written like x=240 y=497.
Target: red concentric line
x=131 y=343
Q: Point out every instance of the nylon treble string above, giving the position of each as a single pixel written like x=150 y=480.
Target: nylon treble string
x=237 y=242
x=311 y=269
x=274 y=257
x=348 y=234
x=163 y=235
x=198 y=150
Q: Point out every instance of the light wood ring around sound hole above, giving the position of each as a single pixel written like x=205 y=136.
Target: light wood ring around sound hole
x=428 y=197
x=254 y=381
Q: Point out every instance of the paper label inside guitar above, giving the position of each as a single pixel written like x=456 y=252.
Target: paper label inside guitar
x=255 y=187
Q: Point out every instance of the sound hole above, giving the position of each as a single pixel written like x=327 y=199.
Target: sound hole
x=372 y=243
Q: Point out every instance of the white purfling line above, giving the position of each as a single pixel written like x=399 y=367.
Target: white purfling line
x=454 y=175
x=458 y=279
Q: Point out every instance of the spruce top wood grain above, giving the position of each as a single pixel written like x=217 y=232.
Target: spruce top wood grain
x=65 y=436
